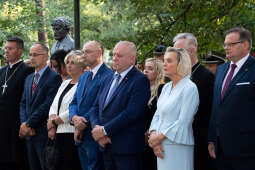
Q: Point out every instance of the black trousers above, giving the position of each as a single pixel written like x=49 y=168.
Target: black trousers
x=68 y=156
x=14 y=166
x=149 y=159
x=235 y=163
x=122 y=161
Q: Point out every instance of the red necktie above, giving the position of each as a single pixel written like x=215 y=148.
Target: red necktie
x=228 y=80
x=35 y=83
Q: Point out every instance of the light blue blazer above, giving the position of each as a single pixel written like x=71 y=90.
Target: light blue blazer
x=176 y=109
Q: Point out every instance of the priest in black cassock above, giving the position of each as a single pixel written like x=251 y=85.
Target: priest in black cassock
x=204 y=81
x=12 y=148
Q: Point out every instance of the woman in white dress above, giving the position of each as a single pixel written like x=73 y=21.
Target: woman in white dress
x=171 y=134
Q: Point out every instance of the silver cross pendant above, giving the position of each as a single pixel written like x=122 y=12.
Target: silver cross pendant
x=4 y=87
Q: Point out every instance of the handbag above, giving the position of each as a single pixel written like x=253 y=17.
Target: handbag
x=51 y=154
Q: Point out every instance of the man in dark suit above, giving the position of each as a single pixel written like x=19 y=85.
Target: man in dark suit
x=117 y=116
x=39 y=91
x=232 y=130
x=12 y=78
x=84 y=97
x=204 y=80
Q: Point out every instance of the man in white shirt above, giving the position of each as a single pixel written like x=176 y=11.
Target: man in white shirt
x=84 y=97
x=232 y=130
x=118 y=113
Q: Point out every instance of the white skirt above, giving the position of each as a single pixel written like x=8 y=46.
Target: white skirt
x=176 y=157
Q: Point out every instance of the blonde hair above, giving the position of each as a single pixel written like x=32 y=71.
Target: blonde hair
x=76 y=57
x=184 y=62
x=159 y=77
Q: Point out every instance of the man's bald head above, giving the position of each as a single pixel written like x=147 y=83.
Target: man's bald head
x=92 y=53
x=124 y=56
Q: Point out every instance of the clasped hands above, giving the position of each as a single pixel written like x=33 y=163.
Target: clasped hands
x=52 y=129
x=79 y=124
x=155 y=143
x=99 y=136
x=25 y=130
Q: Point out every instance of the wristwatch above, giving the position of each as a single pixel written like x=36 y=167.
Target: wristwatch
x=54 y=123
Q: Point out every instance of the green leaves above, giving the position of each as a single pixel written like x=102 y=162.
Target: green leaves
x=145 y=22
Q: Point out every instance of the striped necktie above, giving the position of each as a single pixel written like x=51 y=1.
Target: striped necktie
x=36 y=77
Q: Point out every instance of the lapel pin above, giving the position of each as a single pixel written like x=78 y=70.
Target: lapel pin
x=246 y=69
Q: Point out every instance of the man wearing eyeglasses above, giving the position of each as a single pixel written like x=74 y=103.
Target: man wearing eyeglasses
x=84 y=97
x=40 y=89
x=232 y=128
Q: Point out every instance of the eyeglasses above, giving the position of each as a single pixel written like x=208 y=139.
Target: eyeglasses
x=34 y=55
x=225 y=45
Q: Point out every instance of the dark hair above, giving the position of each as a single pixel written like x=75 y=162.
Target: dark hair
x=244 y=34
x=59 y=57
x=18 y=40
x=44 y=47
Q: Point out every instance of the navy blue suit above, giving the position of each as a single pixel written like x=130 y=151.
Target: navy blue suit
x=123 y=119
x=232 y=126
x=35 y=110
x=82 y=102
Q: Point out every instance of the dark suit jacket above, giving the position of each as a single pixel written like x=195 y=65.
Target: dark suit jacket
x=123 y=116
x=35 y=109
x=204 y=81
x=84 y=98
x=233 y=117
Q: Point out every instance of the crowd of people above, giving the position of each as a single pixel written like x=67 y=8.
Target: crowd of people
x=173 y=115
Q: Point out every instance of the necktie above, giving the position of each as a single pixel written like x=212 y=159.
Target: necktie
x=228 y=80
x=35 y=83
x=114 y=87
x=89 y=78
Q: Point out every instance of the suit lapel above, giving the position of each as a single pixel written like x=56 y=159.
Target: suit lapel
x=93 y=81
x=41 y=82
x=83 y=86
x=244 y=69
x=221 y=79
x=106 y=90
x=121 y=85
x=29 y=92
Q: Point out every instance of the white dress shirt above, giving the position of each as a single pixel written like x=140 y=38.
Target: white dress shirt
x=95 y=69
x=239 y=64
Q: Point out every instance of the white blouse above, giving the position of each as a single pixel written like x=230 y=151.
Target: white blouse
x=64 y=108
x=176 y=109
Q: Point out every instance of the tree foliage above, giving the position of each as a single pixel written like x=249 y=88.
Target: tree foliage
x=145 y=22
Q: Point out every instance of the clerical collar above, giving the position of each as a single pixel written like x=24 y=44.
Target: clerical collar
x=11 y=65
x=195 y=67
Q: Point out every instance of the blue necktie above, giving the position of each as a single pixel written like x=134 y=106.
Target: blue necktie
x=89 y=78
x=114 y=87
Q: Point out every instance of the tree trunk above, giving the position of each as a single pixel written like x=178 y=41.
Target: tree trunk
x=42 y=32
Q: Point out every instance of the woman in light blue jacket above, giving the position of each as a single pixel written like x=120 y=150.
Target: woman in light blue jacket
x=171 y=134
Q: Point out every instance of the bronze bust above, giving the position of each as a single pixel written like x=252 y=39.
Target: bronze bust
x=61 y=28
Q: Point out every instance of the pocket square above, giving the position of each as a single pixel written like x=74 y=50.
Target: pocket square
x=243 y=83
